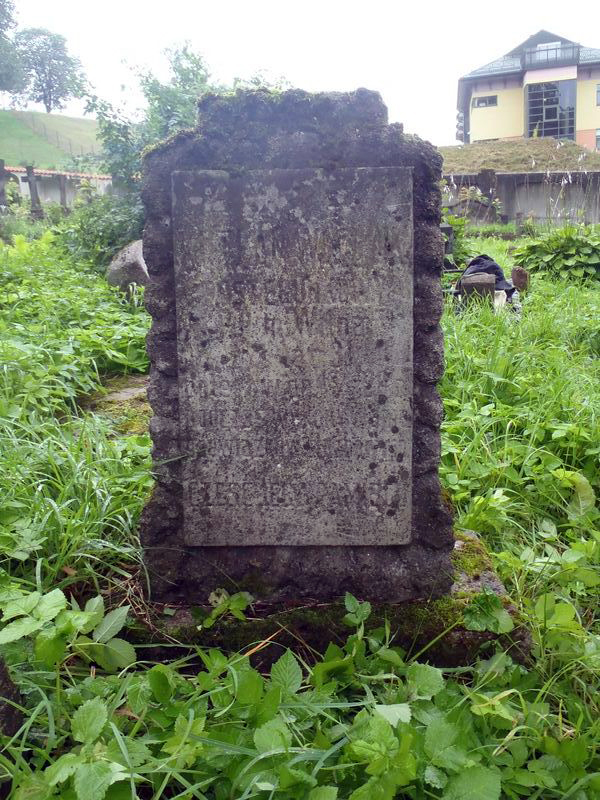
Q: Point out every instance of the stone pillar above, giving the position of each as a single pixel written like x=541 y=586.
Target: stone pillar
x=62 y=186
x=294 y=247
x=36 y=205
x=4 y=178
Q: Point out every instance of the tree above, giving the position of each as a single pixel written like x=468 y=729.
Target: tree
x=170 y=107
x=52 y=75
x=173 y=105
x=12 y=78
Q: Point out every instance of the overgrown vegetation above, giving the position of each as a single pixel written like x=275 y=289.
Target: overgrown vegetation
x=364 y=720
x=571 y=252
x=523 y=155
x=100 y=225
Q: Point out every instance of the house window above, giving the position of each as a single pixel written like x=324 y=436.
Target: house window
x=551 y=109
x=485 y=102
x=597 y=138
x=598 y=94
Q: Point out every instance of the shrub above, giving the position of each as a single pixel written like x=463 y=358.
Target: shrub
x=569 y=252
x=98 y=227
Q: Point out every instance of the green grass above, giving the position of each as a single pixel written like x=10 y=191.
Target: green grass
x=20 y=146
x=523 y=155
x=520 y=464
x=44 y=140
x=70 y=488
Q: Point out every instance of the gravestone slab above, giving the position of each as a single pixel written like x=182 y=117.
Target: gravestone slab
x=294 y=248
x=295 y=355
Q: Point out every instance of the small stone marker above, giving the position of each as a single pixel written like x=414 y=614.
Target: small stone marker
x=520 y=278
x=479 y=285
x=295 y=253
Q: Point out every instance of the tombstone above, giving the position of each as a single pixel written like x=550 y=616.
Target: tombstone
x=480 y=285
x=294 y=247
x=37 y=212
x=520 y=278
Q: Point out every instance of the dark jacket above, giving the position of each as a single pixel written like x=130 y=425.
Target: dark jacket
x=486 y=264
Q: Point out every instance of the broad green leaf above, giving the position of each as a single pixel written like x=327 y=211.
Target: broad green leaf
x=50 y=605
x=474 y=783
x=563 y=615
x=435 y=777
x=269 y=706
x=63 y=768
x=323 y=793
x=273 y=735
x=138 y=694
x=395 y=713
x=583 y=499
x=119 y=791
x=119 y=653
x=424 y=681
x=159 y=678
x=69 y=622
x=290 y=776
x=250 y=687
x=89 y=720
x=286 y=673
x=21 y=606
x=137 y=752
x=486 y=613
x=351 y=603
x=34 y=787
x=440 y=738
x=111 y=624
x=20 y=628
x=50 y=647
x=92 y=780
x=95 y=605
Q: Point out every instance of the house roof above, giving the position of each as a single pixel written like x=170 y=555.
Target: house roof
x=511 y=62
x=50 y=172
x=589 y=55
x=540 y=37
x=501 y=66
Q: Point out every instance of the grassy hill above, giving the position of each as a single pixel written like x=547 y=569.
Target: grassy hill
x=45 y=140
x=523 y=155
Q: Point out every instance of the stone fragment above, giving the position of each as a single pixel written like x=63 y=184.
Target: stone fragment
x=520 y=278
x=128 y=267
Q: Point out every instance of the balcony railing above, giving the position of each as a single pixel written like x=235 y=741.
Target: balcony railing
x=551 y=56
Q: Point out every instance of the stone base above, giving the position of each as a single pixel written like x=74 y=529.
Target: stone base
x=415 y=625
x=299 y=574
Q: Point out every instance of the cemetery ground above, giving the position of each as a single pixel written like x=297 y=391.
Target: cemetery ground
x=366 y=719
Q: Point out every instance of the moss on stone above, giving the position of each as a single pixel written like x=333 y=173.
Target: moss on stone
x=124 y=401
x=470 y=556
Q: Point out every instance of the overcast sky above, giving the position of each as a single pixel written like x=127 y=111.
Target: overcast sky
x=412 y=52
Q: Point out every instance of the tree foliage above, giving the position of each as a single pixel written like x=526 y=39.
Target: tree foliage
x=7 y=20
x=171 y=106
x=12 y=78
x=52 y=75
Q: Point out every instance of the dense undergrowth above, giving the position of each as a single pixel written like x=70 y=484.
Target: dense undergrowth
x=520 y=455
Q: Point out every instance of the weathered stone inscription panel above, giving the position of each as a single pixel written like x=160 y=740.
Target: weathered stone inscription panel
x=294 y=295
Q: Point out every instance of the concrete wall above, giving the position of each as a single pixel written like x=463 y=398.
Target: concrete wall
x=541 y=195
x=49 y=188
